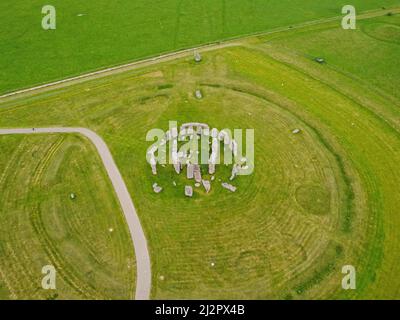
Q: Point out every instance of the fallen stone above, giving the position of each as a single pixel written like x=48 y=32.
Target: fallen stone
x=296 y=131
x=229 y=187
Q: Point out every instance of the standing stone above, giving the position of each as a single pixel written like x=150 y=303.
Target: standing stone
x=234 y=147
x=188 y=191
x=215 y=147
x=198 y=94
x=197 y=173
x=197 y=57
x=235 y=171
x=157 y=188
x=190 y=171
x=227 y=140
x=153 y=163
x=174 y=132
x=182 y=134
x=214 y=133
x=214 y=155
x=177 y=167
x=229 y=187
x=207 y=185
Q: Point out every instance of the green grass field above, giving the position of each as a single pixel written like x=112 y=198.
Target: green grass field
x=317 y=201
x=41 y=225
x=92 y=35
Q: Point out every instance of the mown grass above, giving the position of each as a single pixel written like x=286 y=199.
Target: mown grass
x=41 y=225
x=92 y=35
x=264 y=243
x=187 y=235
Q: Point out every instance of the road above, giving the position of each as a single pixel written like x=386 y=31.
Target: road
x=143 y=267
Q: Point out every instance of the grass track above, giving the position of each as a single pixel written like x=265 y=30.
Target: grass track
x=134 y=30
x=350 y=141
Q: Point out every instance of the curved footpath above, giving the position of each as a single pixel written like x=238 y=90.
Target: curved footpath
x=143 y=268
x=235 y=41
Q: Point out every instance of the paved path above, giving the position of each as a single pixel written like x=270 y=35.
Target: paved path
x=143 y=270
